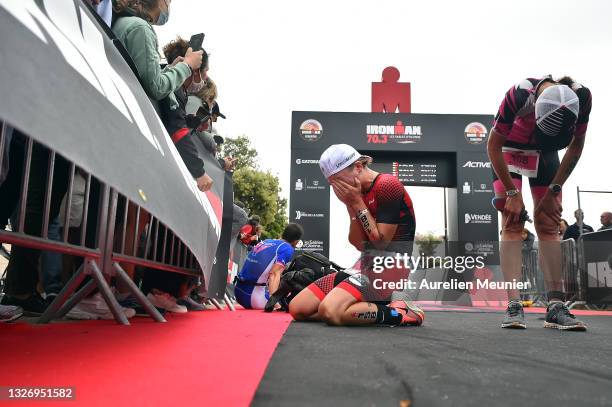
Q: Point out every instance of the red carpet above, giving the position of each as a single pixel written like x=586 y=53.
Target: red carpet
x=210 y=358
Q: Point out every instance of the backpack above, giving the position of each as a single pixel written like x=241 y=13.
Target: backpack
x=314 y=261
x=304 y=269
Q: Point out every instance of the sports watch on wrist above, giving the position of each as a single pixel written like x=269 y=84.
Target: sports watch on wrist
x=511 y=192
x=555 y=188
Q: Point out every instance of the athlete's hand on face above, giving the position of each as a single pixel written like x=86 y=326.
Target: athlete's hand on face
x=513 y=208
x=549 y=206
x=348 y=193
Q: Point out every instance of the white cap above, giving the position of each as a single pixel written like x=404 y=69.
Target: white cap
x=338 y=157
x=556 y=109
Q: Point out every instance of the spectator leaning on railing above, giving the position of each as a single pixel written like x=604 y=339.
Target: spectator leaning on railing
x=132 y=26
x=174 y=116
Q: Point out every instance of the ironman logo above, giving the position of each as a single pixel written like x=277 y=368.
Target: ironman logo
x=475 y=133
x=311 y=130
x=398 y=133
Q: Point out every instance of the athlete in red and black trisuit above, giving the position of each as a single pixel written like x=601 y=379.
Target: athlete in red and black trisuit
x=537 y=118
x=382 y=215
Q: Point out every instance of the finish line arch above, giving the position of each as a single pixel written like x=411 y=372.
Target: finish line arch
x=442 y=150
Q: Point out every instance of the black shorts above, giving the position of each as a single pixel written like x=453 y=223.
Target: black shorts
x=353 y=284
x=547 y=169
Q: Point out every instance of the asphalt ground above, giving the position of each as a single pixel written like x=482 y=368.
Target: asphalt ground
x=454 y=359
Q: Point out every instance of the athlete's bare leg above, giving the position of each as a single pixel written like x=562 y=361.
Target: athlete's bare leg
x=305 y=306
x=340 y=307
x=549 y=252
x=511 y=253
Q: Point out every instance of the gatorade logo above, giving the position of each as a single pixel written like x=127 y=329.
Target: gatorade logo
x=300 y=161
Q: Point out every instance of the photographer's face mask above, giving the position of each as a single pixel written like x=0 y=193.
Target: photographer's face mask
x=164 y=15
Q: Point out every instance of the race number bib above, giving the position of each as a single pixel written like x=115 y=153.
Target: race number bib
x=524 y=162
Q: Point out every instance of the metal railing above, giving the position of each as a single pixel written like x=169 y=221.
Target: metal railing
x=106 y=242
x=573 y=274
x=532 y=274
x=570 y=267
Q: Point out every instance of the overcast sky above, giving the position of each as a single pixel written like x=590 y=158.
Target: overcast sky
x=270 y=58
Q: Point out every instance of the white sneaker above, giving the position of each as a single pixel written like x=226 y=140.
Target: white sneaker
x=167 y=302
x=95 y=307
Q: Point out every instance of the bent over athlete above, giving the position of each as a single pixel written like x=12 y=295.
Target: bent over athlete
x=537 y=118
x=381 y=213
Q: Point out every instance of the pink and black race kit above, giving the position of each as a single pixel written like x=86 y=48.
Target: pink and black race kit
x=524 y=152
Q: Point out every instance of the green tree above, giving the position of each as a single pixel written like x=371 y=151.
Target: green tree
x=274 y=229
x=240 y=148
x=428 y=243
x=259 y=190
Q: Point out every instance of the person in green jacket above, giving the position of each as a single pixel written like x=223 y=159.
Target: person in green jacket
x=132 y=24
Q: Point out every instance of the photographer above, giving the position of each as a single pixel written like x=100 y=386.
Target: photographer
x=175 y=117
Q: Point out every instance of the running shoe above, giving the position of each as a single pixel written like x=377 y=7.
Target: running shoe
x=515 y=316
x=167 y=302
x=191 y=304
x=95 y=307
x=32 y=306
x=411 y=314
x=558 y=316
x=10 y=313
x=129 y=301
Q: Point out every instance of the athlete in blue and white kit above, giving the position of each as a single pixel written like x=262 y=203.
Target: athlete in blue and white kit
x=262 y=269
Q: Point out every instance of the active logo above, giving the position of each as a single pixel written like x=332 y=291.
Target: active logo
x=299 y=215
x=475 y=133
x=299 y=185
x=398 y=133
x=311 y=130
x=477 y=164
x=478 y=218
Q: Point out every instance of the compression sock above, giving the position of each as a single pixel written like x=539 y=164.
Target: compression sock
x=387 y=316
